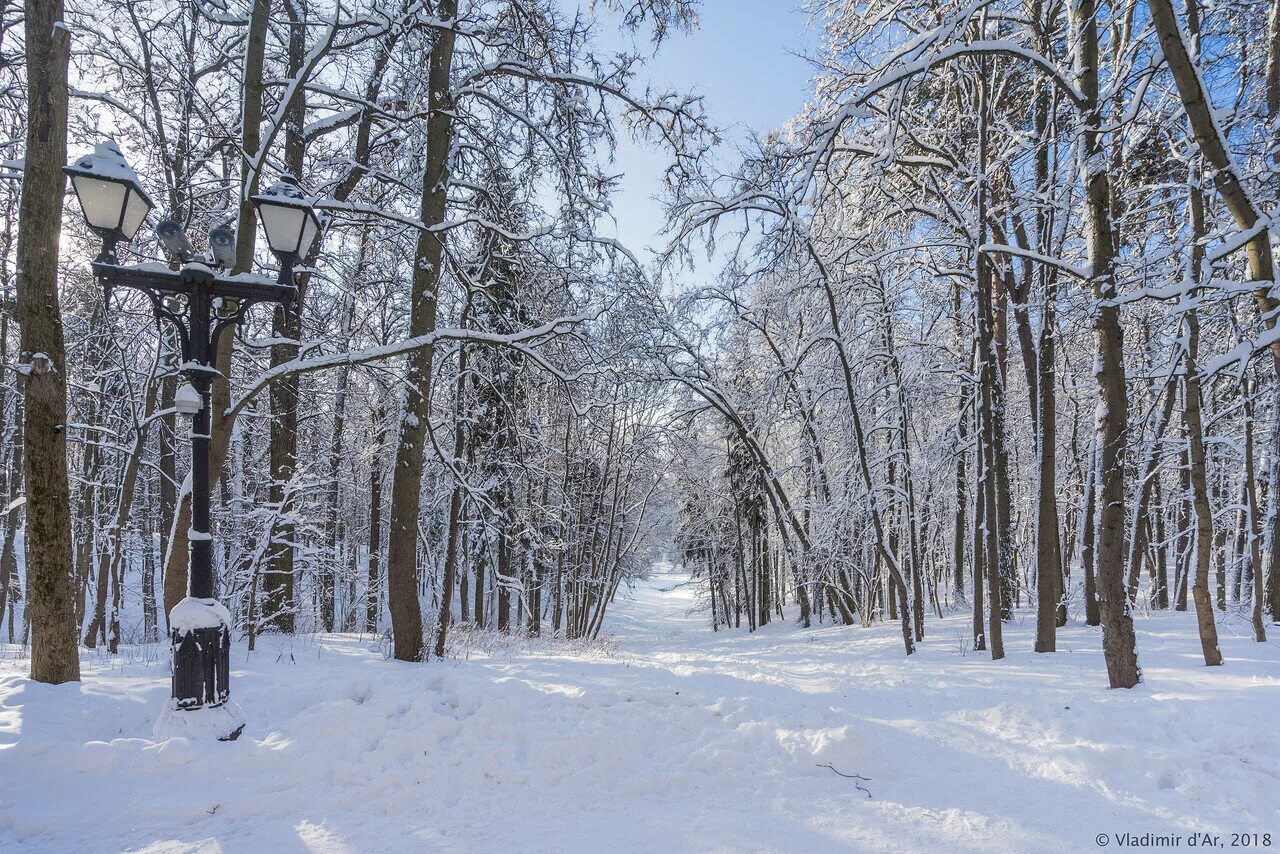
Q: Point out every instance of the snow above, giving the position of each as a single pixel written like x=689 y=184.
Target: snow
x=192 y=613
x=252 y=279
x=665 y=737
x=108 y=161
x=209 y=723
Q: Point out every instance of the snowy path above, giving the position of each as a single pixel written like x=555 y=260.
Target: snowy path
x=672 y=739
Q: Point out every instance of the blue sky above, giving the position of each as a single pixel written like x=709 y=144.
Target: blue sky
x=742 y=59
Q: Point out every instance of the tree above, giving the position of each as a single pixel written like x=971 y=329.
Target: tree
x=54 y=657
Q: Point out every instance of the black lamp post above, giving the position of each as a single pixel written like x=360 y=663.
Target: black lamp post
x=201 y=300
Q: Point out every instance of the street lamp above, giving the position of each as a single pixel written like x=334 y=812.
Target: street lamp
x=115 y=206
x=289 y=219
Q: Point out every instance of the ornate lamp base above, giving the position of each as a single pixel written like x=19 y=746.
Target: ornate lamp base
x=200 y=705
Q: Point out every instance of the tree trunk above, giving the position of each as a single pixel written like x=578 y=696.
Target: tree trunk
x=1251 y=506
x=9 y=554
x=988 y=398
x=962 y=440
x=455 y=502
x=1089 y=541
x=372 y=609
x=1273 y=511
x=176 y=559
x=1140 y=527
x=979 y=535
x=1048 y=547
x=50 y=602
x=1160 y=580
x=1118 y=640
x=278 y=579
x=482 y=568
x=1183 y=544
x=168 y=470
x=1195 y=455
x=406 y=482
x=1050 y=601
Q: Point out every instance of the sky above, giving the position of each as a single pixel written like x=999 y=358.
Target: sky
x=743 y=60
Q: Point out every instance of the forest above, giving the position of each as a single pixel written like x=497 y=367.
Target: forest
x=979 y=347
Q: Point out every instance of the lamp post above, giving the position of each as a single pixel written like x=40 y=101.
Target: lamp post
x=201 y=300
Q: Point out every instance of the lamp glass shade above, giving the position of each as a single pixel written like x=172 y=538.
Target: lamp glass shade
x=103 y=202
x=111 y=196
x=135 y=213
x=309 y=232
x=284 y=225
x=187 y=400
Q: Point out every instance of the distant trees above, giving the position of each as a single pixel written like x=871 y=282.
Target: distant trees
x=970 y=186
x=441 y=417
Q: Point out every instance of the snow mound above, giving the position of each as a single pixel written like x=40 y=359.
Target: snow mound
x=222 y=722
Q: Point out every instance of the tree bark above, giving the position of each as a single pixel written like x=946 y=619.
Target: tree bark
x=1048 y=546
x=372 y=609
x=1195 y=452
x=50 y=603
x=1254 y=524
x=1140 y=527
x=1049 y=584
x=989 y=424
x=1119 y=645
x=9 y=554
x=455 y=503
x=406 y=485
x=1089 y=541
x=958 y=544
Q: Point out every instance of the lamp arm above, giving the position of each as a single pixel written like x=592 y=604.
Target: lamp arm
x=158 y=308
x=162 y=312
x=230 y=320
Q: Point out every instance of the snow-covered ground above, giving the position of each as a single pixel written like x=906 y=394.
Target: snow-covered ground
x=666 y=738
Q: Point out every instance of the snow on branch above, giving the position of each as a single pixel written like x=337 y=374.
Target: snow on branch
x=520 y=340
x=1066 y=266
x=982 y=47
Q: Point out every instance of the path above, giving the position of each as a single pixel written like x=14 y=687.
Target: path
x=671 y=738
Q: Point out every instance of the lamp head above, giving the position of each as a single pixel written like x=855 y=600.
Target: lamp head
x=288 y=217
x=187 y=400
x=111 y=196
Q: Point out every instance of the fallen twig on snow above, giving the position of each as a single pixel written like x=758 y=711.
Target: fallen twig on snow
x=849 y=776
